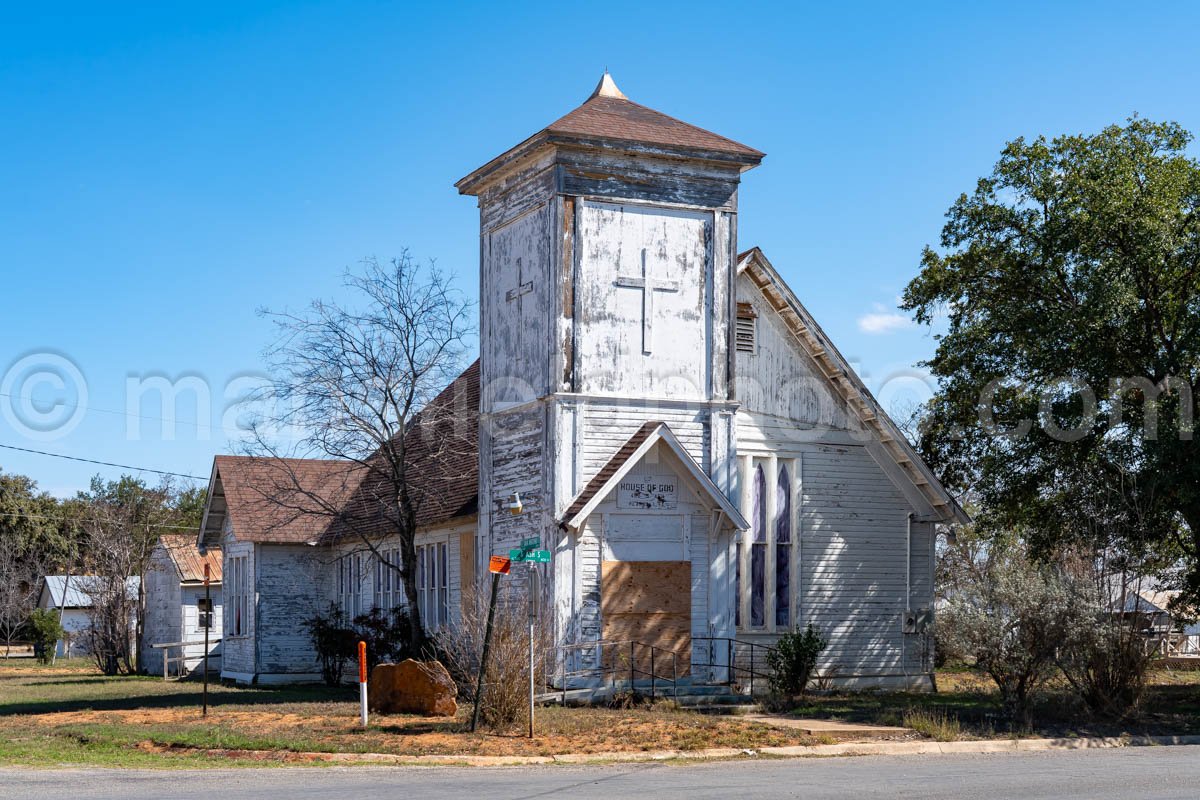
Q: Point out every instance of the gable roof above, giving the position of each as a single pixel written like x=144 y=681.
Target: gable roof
x=858 y=398
x=74 y=591
x=624 y=460
x=189 y=562
x=310 y=501
x=609 y=118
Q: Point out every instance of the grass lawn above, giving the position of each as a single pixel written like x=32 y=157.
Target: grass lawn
x=967 y=706
x=70 y=714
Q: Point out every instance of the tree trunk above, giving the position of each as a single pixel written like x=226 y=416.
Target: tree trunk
x=408 y=558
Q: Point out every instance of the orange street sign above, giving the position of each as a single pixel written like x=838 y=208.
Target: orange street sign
x=499 y=564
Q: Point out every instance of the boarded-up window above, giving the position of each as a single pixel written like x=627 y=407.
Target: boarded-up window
x=783 y=549
x=758 y=552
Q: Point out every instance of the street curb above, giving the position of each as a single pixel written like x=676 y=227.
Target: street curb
x=923 y=747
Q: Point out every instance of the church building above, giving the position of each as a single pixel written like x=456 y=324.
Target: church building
x=703 y=465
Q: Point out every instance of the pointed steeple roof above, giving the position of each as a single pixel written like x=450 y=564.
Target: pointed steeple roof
x=610 y=119
x=609 y=114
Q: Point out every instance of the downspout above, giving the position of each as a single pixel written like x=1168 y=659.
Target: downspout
x=907 y=594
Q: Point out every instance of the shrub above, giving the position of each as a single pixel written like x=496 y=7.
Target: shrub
x=388 y=635
x=334 y=641
x=47 y=629
x=793 y=660
x=1106 y=663
x=1011 y=619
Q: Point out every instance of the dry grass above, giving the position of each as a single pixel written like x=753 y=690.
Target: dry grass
x=82 y=717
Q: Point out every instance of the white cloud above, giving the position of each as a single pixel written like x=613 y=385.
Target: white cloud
x=882 y=321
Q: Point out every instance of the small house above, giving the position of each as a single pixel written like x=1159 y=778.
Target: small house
x=175 y=604
x=71 y=595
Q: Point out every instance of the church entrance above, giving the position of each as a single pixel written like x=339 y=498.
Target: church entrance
x=649 y=602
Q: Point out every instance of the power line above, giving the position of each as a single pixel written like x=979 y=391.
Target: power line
x=102 y=463
x=171 y=421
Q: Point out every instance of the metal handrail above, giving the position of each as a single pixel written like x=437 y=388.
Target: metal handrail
x=731 y=645
x=616 y=647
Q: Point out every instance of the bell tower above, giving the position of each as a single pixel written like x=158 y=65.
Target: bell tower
x=608 y=250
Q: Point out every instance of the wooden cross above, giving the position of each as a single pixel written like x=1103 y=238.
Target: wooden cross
x=648 y=286
x=522 y=288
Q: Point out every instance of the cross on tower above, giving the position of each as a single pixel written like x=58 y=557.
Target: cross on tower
x=522 y=288
x=649 y=285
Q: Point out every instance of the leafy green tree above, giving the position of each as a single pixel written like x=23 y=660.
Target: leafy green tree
x=1070 y=285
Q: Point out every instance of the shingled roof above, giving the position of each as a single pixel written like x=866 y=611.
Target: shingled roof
x=609 y=114
x=609 y=118
x=309 y=501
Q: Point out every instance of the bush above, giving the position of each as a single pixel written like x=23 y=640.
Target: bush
x=47 y=629
x=934 y=723
x=793 y=661
x=387 y=634
x=1011 y=620
x=506 y=685
x=1106 y=664
x=334 y=642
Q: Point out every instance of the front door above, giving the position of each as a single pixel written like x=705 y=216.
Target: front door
x=648 y=603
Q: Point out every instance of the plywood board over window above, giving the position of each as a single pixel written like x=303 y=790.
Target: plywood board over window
x=648 y=602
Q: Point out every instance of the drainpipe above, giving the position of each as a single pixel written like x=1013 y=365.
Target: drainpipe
x=907 y=593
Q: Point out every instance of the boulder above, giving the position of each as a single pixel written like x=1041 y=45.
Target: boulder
x=412 y=687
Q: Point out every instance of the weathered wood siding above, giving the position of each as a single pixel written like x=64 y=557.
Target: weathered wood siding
x=515 y=314
x=778 y=382
x=162 y=620
x=647 y=340
x=292 y=587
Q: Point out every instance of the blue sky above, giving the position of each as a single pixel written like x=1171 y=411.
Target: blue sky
x=165 y=170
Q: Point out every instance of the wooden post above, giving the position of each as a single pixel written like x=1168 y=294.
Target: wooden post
x=487 y=644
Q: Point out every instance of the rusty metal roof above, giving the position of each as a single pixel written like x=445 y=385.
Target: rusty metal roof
x=182 y=550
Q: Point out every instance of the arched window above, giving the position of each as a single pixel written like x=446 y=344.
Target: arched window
x=783 y=549
x=758 y=552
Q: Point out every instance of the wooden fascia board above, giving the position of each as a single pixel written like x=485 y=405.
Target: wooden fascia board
x=856 y=394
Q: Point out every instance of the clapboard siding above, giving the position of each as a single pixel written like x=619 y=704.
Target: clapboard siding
x=606 y=427
x=162 y=620
x=853 y=523
x=778 y=379
x=291 y=589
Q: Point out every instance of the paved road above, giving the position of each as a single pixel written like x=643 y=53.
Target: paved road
x=1142 y=772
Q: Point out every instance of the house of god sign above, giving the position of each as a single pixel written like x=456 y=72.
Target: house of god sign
x=647 y=492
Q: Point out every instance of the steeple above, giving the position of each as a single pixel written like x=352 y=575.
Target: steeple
x=607 y=87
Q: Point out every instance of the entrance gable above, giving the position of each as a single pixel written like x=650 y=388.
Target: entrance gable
x=640 y=491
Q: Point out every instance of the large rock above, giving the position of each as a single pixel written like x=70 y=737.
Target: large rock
x=412 y=687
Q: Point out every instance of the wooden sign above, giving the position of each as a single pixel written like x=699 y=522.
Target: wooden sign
x=499 y=565
x=648 y=492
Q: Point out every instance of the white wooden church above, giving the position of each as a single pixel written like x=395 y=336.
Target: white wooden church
x=699 y=458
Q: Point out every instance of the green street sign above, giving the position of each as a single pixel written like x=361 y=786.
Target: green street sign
x=517 y=554
x=539 y=556
x=531 y=543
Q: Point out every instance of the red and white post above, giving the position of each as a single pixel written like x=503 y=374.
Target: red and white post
x=362 y=681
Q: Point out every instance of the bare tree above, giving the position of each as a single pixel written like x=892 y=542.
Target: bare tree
x=359 y=387
x=19 y=574
x=122 y=521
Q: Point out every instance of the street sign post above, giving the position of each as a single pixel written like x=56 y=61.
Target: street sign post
x=497 y=565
